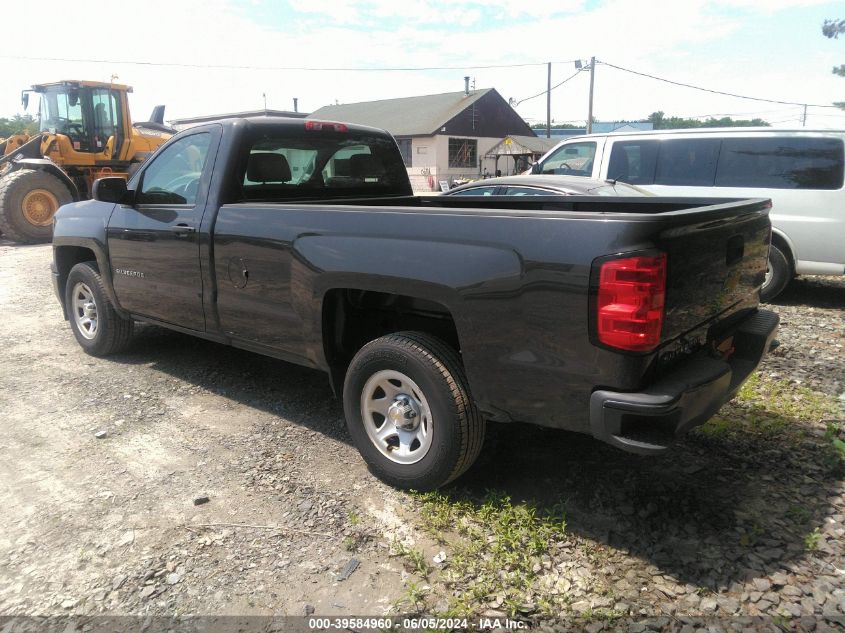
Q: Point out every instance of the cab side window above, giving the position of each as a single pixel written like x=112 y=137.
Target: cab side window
x=174 y=175
x=633 y=162
x=106 y=116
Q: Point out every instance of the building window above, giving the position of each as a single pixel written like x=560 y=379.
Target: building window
x=463 y=152
x=405 y=150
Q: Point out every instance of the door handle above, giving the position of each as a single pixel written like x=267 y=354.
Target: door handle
x=182 y=229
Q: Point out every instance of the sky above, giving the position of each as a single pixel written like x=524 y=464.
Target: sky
x=201 y=57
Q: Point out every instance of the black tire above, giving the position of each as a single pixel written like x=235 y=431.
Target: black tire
x=455 y=425
x=778 y=276
x=30 y=219
x=111 y=332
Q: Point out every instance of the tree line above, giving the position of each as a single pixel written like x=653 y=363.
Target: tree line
x=18 y=124
x=662 y=122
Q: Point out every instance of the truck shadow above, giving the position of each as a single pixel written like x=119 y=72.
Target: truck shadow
x=297 y=393
x=718 y=508
x=715 y=510
x=818 y=292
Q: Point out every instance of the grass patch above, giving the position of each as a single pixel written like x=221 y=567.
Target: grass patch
x=414 y=596
x=498 y=553
x=413 y=557
x=784 y=399
x=770 y=408
x=834 y=456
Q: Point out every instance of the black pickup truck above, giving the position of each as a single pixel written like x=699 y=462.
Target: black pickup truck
x=631 y=319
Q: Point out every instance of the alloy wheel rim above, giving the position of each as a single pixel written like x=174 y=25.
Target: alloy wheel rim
x=85 y=311
x=768 y=278
x=397 y=417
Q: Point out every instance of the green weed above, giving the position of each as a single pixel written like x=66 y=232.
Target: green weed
x=414 y=557
x=497 y=549
x=811 y=541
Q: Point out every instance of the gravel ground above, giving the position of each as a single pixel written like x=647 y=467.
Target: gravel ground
x=743 y=518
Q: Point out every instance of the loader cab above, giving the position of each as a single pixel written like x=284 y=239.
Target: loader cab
x=86 y=113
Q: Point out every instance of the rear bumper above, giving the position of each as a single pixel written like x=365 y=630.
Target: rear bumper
x=647 y=422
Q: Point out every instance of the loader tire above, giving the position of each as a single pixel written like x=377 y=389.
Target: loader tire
x=29 y=199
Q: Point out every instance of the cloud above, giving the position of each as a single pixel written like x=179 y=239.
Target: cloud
x=697 y=42
x=447 y=13
x=768 y=6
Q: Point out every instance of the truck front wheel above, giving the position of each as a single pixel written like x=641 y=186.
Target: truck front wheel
x=29 y=199
x=409 y=411
x=98 y=328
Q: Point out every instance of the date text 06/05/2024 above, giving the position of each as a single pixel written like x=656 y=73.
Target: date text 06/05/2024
x=480 y=624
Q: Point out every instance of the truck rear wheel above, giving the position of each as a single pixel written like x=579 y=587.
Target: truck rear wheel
x=778 y=274
x=29 y=199
x=409 y=411
x=98 y=328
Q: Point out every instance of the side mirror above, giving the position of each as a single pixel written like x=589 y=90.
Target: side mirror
x=536 y=168
x=25 y=100
x=111 y=189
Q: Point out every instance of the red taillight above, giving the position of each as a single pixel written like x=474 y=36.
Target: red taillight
x=631 y=298
x=327 y=126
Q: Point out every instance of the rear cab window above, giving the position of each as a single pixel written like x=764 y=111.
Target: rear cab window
x=288 y=162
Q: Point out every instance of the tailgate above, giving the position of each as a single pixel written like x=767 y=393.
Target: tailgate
x=715 y=266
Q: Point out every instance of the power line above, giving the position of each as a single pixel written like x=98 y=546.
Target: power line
x=722 y=114
x=249 y=67
x=550 y=89
x=718 y=92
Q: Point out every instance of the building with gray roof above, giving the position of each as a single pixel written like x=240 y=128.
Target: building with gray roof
x=442 y=137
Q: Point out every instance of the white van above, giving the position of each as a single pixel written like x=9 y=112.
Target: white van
x=800 y=170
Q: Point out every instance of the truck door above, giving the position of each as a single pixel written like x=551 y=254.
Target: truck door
x=154 y=243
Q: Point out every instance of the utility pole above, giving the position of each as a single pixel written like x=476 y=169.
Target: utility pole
x=592 y=82
x=804 y=118
x=549 y=103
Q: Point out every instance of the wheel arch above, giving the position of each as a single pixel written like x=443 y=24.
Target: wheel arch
x=785 y=246
x=68 y=252
x=48 y=166
x=353 y=314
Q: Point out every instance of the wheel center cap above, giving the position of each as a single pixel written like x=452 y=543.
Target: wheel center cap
x=404 y=413
x=90 y=310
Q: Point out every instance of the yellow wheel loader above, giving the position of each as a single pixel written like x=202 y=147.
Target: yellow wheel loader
x=85 y=133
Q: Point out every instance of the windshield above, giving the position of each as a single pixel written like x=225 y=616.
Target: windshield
x=61 y=111
x=618 y=189
x=572 y=159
